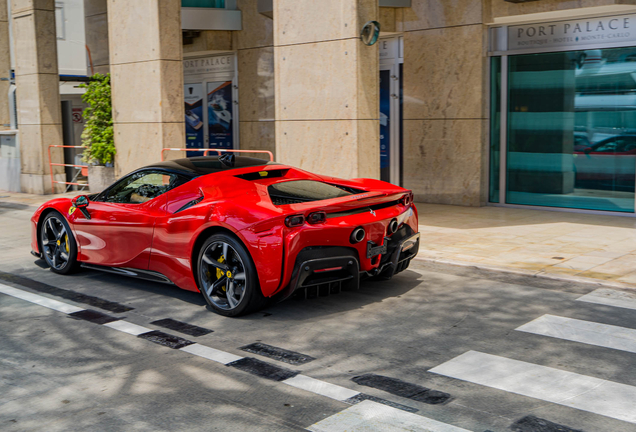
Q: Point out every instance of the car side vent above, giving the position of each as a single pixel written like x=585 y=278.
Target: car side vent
x=285 y=201
x=190 y=204
x=263 y=174
x=349 y=189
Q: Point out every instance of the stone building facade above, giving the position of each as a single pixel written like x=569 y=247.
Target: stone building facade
x=301 y=84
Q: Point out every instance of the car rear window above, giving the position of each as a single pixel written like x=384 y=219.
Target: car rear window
x=299 y=191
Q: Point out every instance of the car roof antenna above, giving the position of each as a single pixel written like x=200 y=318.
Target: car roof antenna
x=227 y=159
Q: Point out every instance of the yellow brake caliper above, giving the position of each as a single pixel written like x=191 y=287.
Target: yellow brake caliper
x=66 y=243
x=220 y=273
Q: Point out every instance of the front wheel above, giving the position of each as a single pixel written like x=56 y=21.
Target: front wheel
x=227 y=277
x=57 y=244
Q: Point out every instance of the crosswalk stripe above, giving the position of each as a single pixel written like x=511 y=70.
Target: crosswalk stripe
x=372 y=416
x=299 y=381
x=587 y=332
x=39 y=300
x=211 y=353
x=610 y=297
x=573 y=390
x=321 y=387
x=128 y=327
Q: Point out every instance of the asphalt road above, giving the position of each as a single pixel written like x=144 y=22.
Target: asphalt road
x=451 y=331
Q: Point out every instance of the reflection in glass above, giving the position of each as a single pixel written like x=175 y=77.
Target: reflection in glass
x=572 y=129
x=495 y=127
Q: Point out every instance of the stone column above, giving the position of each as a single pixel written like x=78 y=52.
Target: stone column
x=445 y=100
x=5 y=66
x=254 y=47
x=327 y=87
x=38 y=96
x=147 y=79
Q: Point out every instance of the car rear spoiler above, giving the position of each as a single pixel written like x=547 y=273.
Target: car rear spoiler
x=350 y=202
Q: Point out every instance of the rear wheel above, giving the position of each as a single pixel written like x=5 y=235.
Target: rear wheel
x=227 y=277
x=57 y=244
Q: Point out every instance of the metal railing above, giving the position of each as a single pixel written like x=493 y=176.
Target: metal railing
x=84 y=168
x=205 y=152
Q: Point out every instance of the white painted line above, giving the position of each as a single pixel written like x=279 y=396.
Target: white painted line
x=39 y=300
x=610 y=297
x=573 y=390
x=211 y=353
x=372 y=416
x=127 y=327
x=587 y=332
x=332 y=391
x=300 y=381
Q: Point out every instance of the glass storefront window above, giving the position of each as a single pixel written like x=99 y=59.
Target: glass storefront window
x=220 y=4
x=572 y=129
x=495 y=128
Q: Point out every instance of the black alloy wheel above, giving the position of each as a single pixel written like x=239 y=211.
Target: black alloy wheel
x=57 y=244
x=227 y=277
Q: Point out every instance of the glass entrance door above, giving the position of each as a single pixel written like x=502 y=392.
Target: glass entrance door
x=385 y=125
x=211 y=102
x=570 y=133
x=391 y=60
x=391 y=124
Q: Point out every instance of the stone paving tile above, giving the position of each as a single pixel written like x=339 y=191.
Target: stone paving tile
x=577 y=249
x=619 y=266
x=626 y=246
x=597 y=275
x=584 y=262
x=32 y=199
x=589 y=245
x=561 y=271
x=471 y=258
x=605 y=253
x=628 y=278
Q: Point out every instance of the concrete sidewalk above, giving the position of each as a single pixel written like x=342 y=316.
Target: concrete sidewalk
x=573 y=246
x=13 y=198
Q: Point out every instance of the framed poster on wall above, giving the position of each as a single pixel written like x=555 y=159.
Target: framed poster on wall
x=193 y=95
x=220 y=115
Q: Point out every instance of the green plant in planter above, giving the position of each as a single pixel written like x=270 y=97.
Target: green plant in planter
x=98 y=136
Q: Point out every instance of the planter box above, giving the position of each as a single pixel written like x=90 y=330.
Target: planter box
x=100 y=177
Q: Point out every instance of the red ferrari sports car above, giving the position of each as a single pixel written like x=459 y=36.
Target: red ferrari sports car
x=239 y=230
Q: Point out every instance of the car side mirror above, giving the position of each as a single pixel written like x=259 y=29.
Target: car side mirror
x=81 y=202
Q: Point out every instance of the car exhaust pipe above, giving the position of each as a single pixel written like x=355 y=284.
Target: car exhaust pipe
x=393 y=226
x=357 y=235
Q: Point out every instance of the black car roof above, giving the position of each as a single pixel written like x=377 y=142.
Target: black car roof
x=202 y=165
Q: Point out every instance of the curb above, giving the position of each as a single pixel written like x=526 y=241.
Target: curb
x=530 y=273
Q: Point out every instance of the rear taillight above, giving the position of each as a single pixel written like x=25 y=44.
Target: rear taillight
x=408 y=199
x=317 y=218
x=294 y=221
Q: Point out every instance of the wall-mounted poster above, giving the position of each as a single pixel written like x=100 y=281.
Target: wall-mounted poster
x=220 y=117
x=194 y=117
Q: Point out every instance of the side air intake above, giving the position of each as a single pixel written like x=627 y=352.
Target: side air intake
x=263 y=174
